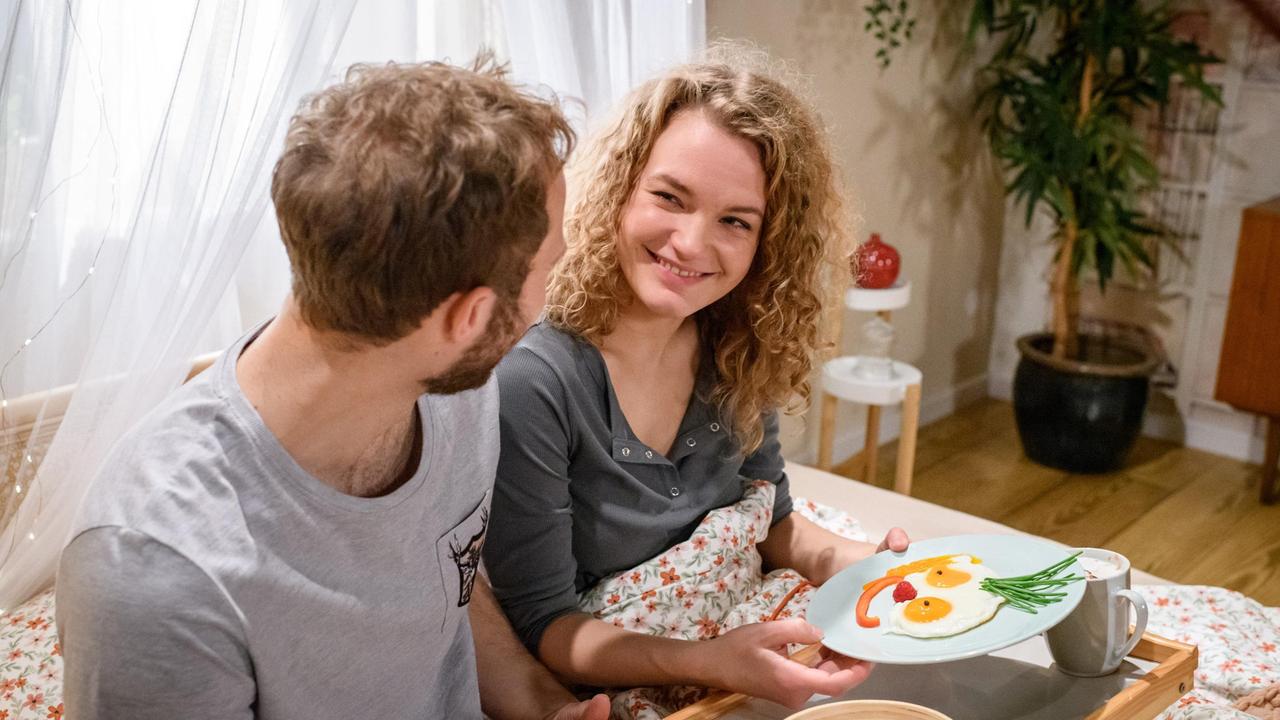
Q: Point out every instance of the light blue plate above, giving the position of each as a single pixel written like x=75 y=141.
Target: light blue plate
x=832 y=608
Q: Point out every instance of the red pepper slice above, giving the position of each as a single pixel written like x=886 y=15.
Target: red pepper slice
x=864 y=602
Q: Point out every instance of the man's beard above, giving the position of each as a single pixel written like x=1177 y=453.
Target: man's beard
x=475 y=366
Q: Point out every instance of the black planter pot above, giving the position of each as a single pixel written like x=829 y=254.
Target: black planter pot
x=1081 y=416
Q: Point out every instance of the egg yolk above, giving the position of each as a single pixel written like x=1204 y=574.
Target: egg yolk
x=945 y=577
x=926 y=609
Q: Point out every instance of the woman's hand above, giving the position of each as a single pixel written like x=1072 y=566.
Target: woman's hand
x=752 y=659
x=896 y=540
x=817 y=553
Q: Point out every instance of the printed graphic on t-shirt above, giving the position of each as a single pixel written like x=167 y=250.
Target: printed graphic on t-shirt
x=458 y=552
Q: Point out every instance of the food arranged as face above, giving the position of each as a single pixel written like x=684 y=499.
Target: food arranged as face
x=949 y=594
x=948 y=600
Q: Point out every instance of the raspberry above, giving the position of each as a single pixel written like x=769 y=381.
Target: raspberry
x=903 y=592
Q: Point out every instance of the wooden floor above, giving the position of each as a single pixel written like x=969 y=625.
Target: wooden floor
x=1182 y=514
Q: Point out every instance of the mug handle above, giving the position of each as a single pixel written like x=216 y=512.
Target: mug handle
x=1139 y=627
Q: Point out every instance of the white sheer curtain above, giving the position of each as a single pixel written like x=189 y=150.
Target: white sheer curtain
x=135 y=232
x=138 y=143
x=593 y=51
x=597 y=50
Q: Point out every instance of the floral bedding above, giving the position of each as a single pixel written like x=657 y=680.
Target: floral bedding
x=1239 y=643
x=31 y=669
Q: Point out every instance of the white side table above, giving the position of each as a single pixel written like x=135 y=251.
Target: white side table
x=841 y=382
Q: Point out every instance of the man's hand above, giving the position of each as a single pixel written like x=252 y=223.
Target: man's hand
x=752 y=659
x=896 y=540
x=513 y=684
x=597 y=708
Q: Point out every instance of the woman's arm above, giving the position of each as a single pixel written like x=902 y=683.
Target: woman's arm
x=750 y=659
x=528 y=552
x=817 y=553
x=529 y=556
x=794 y=541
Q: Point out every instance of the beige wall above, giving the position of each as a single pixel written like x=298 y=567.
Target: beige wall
x=917 y=171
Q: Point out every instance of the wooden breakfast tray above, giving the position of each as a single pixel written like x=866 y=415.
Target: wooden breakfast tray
x=1171 y=678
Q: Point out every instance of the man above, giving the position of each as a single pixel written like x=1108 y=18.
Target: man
x=296 y=532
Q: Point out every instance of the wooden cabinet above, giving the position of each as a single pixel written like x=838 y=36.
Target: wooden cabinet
x=1249 y=365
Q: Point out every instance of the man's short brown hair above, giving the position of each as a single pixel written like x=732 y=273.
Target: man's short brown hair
x=404 y=184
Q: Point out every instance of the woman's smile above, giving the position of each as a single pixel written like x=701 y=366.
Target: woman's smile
x=676 y=273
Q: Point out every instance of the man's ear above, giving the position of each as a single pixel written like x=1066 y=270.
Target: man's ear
x=467 y=314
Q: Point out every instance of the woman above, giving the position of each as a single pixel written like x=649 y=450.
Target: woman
x=684 y=314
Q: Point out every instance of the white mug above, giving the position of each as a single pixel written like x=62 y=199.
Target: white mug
x=1094 y=638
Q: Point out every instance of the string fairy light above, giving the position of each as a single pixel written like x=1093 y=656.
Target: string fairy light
x=74 y=45
x=94 y=74
x=95 y=84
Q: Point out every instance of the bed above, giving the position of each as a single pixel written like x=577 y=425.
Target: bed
x=1238 y=637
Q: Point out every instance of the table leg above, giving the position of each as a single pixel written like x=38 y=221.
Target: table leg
x=907 y=440
x=1269 y=458
x=827 y=431
x=871 y=445
x=851 y=468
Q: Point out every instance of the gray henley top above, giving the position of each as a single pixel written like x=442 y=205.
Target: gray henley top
x=578 y=497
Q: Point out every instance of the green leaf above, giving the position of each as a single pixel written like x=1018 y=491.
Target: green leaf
x=1105 y=259
x=1094 y=168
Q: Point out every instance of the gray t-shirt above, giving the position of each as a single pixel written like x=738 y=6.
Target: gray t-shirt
x=210 y=576
x=578 y=497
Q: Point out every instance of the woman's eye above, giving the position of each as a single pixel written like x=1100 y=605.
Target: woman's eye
x=737 y=222
x=667 y=197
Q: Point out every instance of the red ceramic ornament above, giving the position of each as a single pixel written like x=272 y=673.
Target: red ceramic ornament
x=877 y=263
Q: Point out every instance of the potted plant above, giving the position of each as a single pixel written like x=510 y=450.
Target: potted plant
x=1059 y=97
x=1059 y=92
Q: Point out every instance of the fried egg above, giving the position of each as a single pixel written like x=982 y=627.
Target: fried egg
x=948 y=600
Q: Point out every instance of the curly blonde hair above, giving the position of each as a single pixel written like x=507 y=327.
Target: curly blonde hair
x=764 y=335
